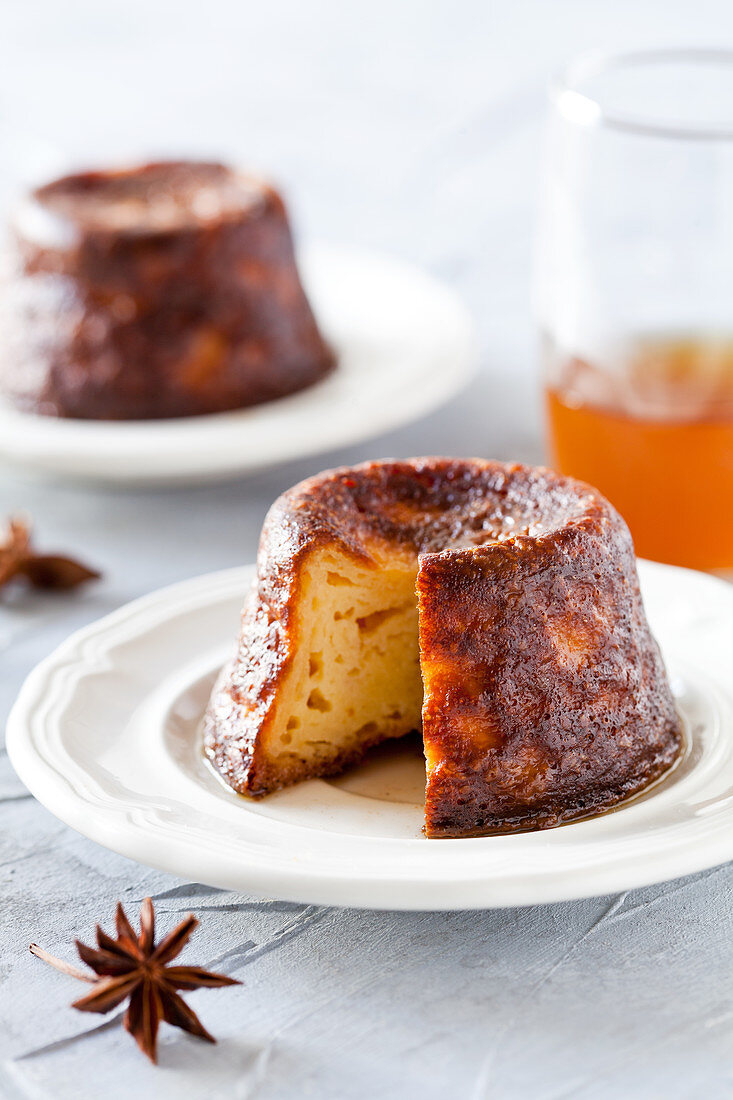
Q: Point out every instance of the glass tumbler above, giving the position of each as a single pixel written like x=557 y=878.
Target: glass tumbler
x=634 y=293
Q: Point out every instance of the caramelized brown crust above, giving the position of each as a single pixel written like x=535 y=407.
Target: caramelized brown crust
x=160 y=291
x=545 y=695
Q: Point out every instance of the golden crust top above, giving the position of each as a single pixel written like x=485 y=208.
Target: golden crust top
x=427 y=505
x=161 y=197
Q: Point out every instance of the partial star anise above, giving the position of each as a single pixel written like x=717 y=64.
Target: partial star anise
x=18 y=559
x=133 y=966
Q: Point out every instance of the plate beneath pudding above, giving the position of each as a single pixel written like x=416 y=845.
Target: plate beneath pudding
x=405 y=345
x=105 y=734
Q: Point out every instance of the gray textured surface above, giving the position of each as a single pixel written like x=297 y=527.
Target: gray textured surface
x=414 y=128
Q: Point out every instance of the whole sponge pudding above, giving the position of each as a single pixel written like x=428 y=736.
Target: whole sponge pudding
x=164 y=290
x=496 y=607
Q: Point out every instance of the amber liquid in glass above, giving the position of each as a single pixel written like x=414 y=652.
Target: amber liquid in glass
x=655 y=435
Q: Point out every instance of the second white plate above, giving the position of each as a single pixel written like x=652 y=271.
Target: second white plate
x=106 y=735
x=405 y=344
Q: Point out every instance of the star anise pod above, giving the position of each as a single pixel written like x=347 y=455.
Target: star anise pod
x=18 y=559
x=133 y=966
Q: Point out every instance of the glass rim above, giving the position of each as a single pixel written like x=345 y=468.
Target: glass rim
x=585 y=110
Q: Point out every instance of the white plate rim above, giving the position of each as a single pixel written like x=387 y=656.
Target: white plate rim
x=424 y=368
x=479 y=887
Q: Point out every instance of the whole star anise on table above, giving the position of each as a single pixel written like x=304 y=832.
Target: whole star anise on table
x=133 y=966
x=19 y=560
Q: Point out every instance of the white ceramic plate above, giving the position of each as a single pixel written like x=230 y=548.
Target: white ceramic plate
x=405 y=345
x=105 y=733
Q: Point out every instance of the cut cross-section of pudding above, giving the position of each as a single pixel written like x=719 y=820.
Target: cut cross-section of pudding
x=495 y=607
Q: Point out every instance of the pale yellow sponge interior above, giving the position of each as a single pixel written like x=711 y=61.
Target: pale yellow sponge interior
x=355 y=679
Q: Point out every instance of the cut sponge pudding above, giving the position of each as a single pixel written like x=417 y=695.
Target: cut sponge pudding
x=495 y=607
